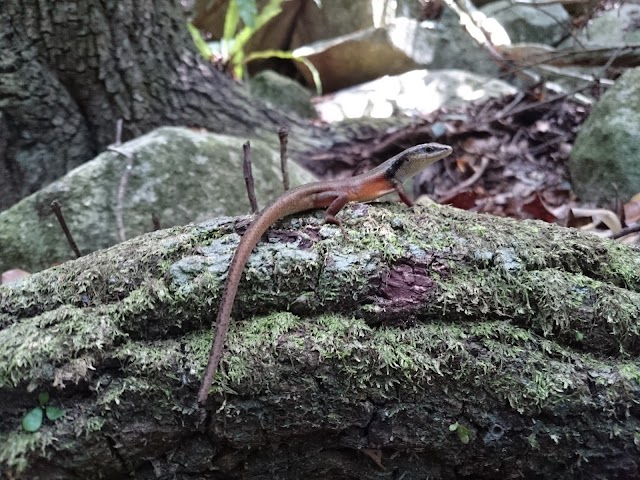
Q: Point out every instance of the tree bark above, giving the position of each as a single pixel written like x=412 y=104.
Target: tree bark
x=431 y=343
x=70 y=70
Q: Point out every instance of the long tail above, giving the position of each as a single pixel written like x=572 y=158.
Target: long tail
x=284 y=206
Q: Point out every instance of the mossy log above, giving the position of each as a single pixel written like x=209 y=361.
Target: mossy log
x=426 y=343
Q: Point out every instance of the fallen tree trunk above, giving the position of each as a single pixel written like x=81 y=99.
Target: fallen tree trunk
x=429 y=343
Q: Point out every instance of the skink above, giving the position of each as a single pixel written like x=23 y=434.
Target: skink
x=332 y=195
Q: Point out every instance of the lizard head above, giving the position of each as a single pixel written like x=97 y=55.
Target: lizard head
x=415 y=159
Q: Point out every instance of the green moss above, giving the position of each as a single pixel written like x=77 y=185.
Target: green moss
x=16 y=446
x=631 y=372
x=34 y=347
x=126 y=391
x=94 y=424
x=146 y=358
x=506 y=360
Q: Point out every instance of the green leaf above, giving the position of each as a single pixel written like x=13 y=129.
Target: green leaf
x=43 y=398
x=290 y=56
x=453 y=427
x=53 y=413
x=248 y=11
x=199 y=41
x=32 y=420
x=231 y=21
x=269 y=11
x=463 y=434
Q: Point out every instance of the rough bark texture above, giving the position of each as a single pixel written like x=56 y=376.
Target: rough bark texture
x=429 y=344
x=70 y=70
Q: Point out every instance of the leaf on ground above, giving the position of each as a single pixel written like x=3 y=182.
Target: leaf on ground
x=375 y=455
x=32 y=421
x=598 y=216
x=54 y=413
x=43 y=398
x=632 y=210
x=538 y=209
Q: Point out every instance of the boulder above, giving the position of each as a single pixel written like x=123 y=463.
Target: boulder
x=178 y=174
x=604 y=163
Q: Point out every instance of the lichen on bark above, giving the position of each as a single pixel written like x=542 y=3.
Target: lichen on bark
x=473 y=338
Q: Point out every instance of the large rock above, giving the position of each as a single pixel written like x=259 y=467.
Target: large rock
x=300 y=22
x=616 y=27
x=180 y=175
x=530 y=23
x=605 y=161
x=333 y=18
x=283 y=93
x=456 y=49
x=348 y=60
x=413 y=93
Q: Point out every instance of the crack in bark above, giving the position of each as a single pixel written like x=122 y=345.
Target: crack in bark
x=113 y=448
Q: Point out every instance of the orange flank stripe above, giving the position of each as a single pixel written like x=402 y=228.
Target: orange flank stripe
x=371 y=189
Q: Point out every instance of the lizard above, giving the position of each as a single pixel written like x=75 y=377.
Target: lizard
x=332 y=195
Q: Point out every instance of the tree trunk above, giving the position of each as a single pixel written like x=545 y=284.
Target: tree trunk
x=70 y=70
x=431 y=343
